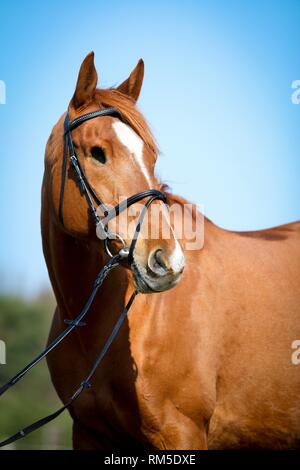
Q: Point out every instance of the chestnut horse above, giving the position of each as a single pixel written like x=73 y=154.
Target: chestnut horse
x=206 y=364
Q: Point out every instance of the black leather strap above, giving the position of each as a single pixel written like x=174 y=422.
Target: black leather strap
x=86 y=383
x=110 y=111
x=138 y=228
x=154 y=193
x=63 y=173
x=112 y=263
x=68 y=146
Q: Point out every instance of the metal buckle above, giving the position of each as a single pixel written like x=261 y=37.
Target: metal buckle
x=101 y=230
x=123 y=251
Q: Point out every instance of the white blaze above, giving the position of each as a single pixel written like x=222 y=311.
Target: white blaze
x=134 y=145
x=176 y=258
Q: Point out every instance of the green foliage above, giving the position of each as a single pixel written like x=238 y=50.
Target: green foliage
x=24 y=327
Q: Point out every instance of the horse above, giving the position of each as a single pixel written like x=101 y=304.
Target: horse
x=203 y=360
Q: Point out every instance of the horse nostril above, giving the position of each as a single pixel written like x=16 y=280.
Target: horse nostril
x=157 y=263
x=159 y=258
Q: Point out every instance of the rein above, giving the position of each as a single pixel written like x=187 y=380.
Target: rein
x=114 y=261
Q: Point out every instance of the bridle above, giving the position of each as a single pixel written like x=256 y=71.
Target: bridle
x=90 y=193
x=114 y=260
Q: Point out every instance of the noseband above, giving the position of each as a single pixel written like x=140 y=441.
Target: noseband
x=91 y=195
x=102 y=227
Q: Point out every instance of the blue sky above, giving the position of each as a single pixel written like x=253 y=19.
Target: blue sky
x=217 y=93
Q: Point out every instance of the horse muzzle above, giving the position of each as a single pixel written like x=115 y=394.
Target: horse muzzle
x=160 y=273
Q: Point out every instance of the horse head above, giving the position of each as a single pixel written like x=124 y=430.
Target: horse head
x=117 y=156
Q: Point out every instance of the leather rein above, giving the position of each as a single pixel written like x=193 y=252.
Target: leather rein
x=114 y=260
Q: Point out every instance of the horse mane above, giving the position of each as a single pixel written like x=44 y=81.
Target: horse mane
x=176 y=199
x=129 y=113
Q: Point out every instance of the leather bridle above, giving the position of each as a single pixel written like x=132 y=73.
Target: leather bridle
x=114 y=260
x=90 y=193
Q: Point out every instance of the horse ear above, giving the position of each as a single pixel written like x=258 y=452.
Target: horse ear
x=132 y=86
x=86 y=82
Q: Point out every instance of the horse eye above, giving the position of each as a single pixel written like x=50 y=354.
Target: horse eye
x=98 y=154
